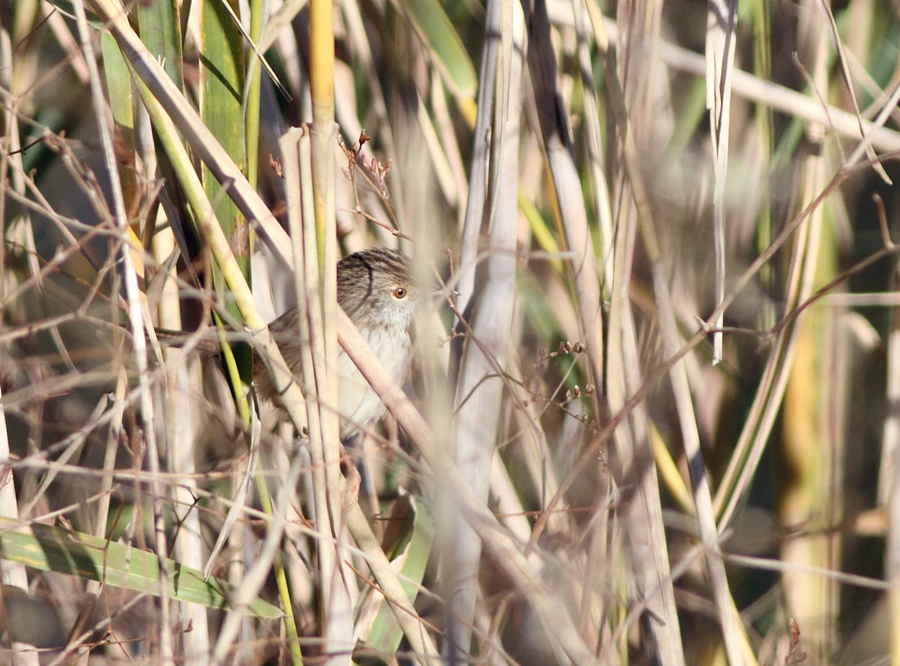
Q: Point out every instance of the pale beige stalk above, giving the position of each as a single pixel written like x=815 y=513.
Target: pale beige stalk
x=479 y=390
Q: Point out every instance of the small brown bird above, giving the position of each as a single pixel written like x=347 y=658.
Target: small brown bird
x=375 y=289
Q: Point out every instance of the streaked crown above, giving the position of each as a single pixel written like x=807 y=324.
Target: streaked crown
x=375 y=289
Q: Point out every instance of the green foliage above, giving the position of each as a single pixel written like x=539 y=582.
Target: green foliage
x=45 y=548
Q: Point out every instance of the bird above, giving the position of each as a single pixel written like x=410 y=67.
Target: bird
x=376 y=290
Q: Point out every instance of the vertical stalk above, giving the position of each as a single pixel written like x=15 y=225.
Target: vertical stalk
x=336 y=608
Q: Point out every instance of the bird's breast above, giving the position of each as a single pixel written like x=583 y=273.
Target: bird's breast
x=357 y=401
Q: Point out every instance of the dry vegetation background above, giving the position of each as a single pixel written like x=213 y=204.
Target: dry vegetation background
x=592 y=179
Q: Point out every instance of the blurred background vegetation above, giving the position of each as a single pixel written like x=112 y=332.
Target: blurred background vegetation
x=592 y=179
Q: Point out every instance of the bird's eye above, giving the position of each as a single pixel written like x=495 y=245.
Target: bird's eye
x=399 y=292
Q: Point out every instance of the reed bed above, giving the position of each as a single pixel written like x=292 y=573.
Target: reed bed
x=652 y=414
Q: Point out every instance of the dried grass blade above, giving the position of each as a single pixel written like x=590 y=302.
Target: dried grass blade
x=136 y=320
x=889 y=490
x=504 y=550
x=645 y=531
x=475 y=213
x=778 y=97
x=161 y=31
x=256 y=576
x=558 y=146
x=645 y=534
x=318 y=277
x=721 y=27
x=731 y=628
x=477 y=420
x=292 y=398
x=396 y=596
x=296 y=160
x=838 y=45
x=594 y=144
